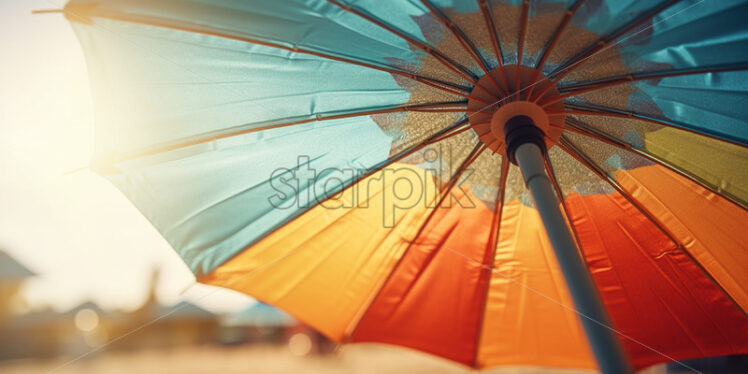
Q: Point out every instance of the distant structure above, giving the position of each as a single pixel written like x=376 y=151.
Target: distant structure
x=152 y=326
x=259 y=323
x=12 y=276
x=48 y=333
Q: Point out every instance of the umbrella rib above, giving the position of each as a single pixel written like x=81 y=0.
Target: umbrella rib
x=545 y=54
x=477 y=150
x=621 y=79
x=493 y=243
x=521 y=43
x=459 y=34
x=466 y=43
x=589 y=131
x=454 y=106
x=449 y=131
x=601 y=43
x=453 y=65
x=491 y=26
x=585 y=160
x=456 y=132
x=597 y=110
x=585 y=87
x=559 y=193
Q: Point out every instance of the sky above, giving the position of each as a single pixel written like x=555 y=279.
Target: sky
x=79 y=234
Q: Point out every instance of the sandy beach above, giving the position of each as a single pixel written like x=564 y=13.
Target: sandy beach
x=356 y=359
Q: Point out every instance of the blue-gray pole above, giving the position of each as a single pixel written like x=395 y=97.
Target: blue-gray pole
x=602 y=337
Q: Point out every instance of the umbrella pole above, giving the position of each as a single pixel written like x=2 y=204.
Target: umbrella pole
x=602 y=338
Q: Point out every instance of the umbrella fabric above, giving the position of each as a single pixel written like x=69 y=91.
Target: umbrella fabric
x=296 y=150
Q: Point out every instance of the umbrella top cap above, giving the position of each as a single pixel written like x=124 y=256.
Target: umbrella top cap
x=516 y=91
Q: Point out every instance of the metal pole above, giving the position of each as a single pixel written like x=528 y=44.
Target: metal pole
x=601 y=336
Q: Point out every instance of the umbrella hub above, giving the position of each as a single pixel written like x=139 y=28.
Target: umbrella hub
x=506 y=108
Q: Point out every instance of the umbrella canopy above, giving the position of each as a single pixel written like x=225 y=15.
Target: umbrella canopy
x=339 y=159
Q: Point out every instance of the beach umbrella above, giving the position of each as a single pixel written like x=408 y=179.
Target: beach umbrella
x=548 y=183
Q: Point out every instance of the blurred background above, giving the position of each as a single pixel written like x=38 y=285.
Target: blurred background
x=88 y=286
